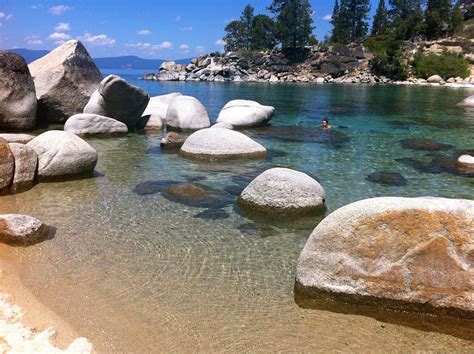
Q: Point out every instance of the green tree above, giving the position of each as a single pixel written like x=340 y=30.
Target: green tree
x=246 y=19
x=446 y=65
x=380 y=24
x=437 y=18
x=293 y=22
x=262 y=36
x=406 y=17
x=335 y=36
x=456 y=20
x=350 y=21
x=234 y=37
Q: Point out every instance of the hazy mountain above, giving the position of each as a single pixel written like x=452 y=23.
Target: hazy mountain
x=29 y=54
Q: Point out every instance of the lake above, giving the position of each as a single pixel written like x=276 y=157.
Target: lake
x=145 y=272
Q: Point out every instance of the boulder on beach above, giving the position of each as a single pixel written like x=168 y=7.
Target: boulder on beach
x=283 y=191
x=26 y=163
x=64 y=78
x=221 y=143
x=434 y=79
x=17 y=94
x=467 y=102
x=402 y=253
x=156 y=110
x=245 y=113
x=186 y=112
x=94 y=124
x=17 y=229
x=7 y=167
x=17 y=138
x=172 y=140
x=120 y=100
x=63 y=155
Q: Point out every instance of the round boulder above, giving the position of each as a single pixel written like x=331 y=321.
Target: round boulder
x=245 y=113
x=116 y=98
x=7 y=167
x=26 y=162
x=63 y=155
x=17 y=229
x=434 y=79
x=466 y=161
x=93 y=124
x=401 y=253
x=221 y=143
x=156 y=110
x=186 y=112
x=17 y=93
x=283 y=191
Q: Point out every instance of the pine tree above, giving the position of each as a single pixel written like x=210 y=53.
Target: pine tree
x=456 y=20
x=293 y=22
x=246 y=19
x=350 y=23
x=437 y=18
x=335 y=37
x=343 y=23
x=406 y=17
x=234 y=37
x=380 y=24
x=262 y=36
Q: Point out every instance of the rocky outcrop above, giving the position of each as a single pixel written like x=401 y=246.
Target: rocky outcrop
x=403 y=253
x=170 y=71
x=187 y=113
x=283 y=191
x=26 y=162
x=156 y=110
x=64 y=79
x=17 y=229
x=245 y=113
x=93 y=124
x=116 y=98
x=17 y=94
x=17 y=138
x=62 y=156
x=7 y=167
x=221 y=143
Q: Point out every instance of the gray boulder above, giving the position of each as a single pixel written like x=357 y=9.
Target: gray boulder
x=219 y=143
x=167 y=76
x=17 y=138
x=245 y=113
x=63 y=155
x=116 y=98
x=93 y=124
x=283 y=191
x=186 y=112
x=402 y=253
x=20 y=229
x=156 y=110
x=26 y=162
x=17 y=94
x=64 y=79
x=7 y=167
x=434 y=79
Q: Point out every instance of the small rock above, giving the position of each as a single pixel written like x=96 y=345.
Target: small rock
x=19 y=229
x=26 y=163
x=172 y=140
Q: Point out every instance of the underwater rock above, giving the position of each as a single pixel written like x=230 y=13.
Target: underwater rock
x=387 y=178
x=424 y=144
x=212 y=214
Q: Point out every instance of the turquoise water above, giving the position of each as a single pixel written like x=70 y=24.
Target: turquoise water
x=146 y=272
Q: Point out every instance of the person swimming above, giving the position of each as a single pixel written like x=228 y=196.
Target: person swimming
x=325 y=124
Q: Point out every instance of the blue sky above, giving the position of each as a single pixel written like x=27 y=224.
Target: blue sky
x=149 y=29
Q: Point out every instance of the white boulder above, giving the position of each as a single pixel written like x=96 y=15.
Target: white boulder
x=245 y=113
x=93 y=124
x=186 y=112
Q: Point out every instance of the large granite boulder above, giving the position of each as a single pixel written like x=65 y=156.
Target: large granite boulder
x=63 y=155
x=17 y=94
x=186 y=112
x=93 y=124
x=283 y=191
x=403 y=253
x=64 y=79
x=219 y=143
x=26 y=162
x=20 y=229
x=118 y=99
x=245 y=113
x=7 y=167
x=156 y=110
x=17 y=138
x=434 y=79
x=467 y=102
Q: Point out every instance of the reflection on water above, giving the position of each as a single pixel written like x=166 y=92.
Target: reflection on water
x=183 y=269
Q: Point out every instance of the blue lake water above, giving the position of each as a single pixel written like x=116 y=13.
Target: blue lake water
x=149 y=273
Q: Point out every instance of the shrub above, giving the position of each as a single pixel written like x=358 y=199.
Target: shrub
x=445 y=65
x=388 y=57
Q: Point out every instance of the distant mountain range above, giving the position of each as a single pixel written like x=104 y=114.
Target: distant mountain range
x=126 y=62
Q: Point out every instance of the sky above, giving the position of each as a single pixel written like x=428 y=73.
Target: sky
x=160 y=29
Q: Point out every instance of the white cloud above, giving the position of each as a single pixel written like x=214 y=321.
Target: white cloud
x=59 y=38
x=178 y=18
x=327 y=18
x=184 y=46
x=59 y=10
x=221 y=42
x=165 y=45
x=36 y=7
x=62 y=27
x=5 y=17
x=200 y=49
x=98 y=40
x=144 y=32
x=148 y=46
x=186 y=29
x=33 y=40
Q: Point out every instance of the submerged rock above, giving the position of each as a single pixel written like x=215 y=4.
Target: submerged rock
x=212 y=214
x=7 y=167
x=424 y=144
x=64 y=78
x=439 y=164
x=20 y=229
x=186 y=112
x=403 y=253
x=17 y=138
x=63 y=155
x=245 y=113
x=173 y=140
x=17 y=94
x=387 y=178
x=26 y=163
x=221 y=143
x=283 y=191
x=94 y=124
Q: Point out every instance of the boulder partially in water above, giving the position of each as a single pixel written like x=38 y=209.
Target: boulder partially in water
x=7 y=167
x=245 y=113
x=186 y=112
x=17 y=94
x=283 y=191
x=467 y=102
x=20 y=229
x=63 y=155
x=65 y=78
x=221 y=143
x=94 y=124
x=172 y=140
x=26 y=163
x=403 y=253
x=118 y=99
x=156 y=110
x=466 y=161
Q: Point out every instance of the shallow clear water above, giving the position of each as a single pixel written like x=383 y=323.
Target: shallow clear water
x=141 y=273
